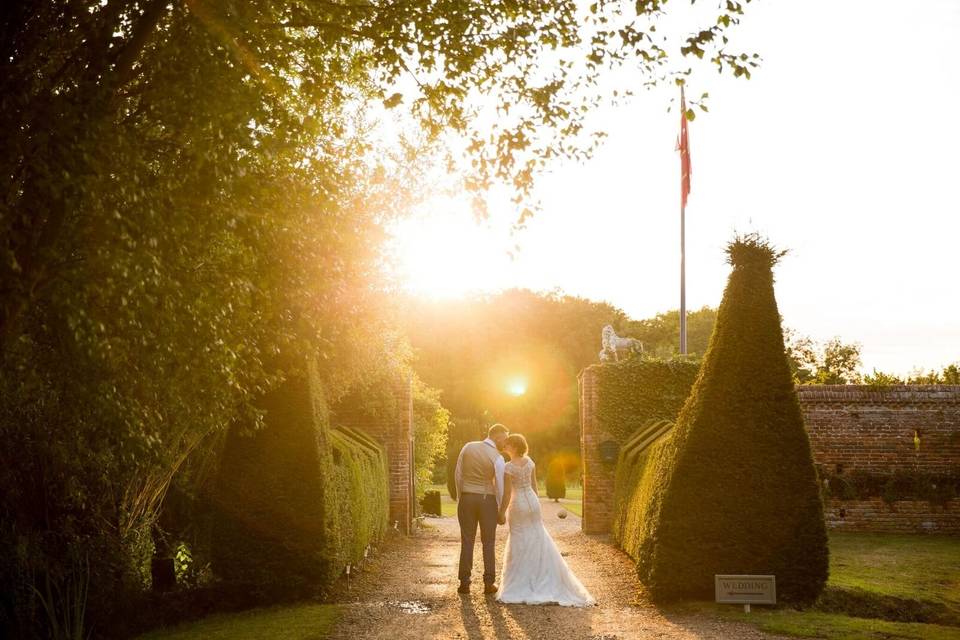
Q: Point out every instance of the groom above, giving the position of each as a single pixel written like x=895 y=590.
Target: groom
x=479 y=480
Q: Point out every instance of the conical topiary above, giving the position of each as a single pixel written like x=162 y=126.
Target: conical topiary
x=556 y=480
x=735 y=489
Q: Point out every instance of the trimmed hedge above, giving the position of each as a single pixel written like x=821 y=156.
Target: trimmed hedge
x=362 y=497
x=296 y=501
x=556 y=480
x=732 y=489
x=635 y=392
x=634 y=495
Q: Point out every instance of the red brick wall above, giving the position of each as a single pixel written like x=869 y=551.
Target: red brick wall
x=881 y=431
x=598 y=476
x=395 y=432
x=851 y=428
x=855 y=427
x=902 y=516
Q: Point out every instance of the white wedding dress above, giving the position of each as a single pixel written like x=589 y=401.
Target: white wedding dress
x=534 y=572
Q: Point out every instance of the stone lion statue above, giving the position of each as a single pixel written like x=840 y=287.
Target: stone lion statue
x=615 y=347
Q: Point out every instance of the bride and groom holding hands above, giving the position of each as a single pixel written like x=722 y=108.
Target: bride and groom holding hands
x=491 y=491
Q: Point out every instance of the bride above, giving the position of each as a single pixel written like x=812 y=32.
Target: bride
x=534 y=572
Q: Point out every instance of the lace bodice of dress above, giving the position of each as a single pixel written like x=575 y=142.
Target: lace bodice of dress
x=520 y=472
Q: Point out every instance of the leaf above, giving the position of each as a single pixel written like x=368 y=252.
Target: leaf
x=393 y=101
x=691 y=115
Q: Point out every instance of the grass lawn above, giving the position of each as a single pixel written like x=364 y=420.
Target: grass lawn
x=835 y=626
x=873 y=575
x=297 y=622
x=572 y=502
x=916 y=567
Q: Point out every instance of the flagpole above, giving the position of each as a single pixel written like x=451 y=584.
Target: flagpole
x=683 y=215
x=683 y=282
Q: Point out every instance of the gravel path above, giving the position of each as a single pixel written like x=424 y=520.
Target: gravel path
x=410 y=592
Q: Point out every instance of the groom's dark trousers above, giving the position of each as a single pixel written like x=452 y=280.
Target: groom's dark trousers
x=474 y=509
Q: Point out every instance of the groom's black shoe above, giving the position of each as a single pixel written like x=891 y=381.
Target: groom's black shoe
x=490 y=588
x=464 y=587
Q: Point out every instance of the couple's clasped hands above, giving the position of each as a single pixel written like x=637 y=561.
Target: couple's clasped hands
x=502 y=518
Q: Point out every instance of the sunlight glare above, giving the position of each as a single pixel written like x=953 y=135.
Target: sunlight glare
x=517 y=387
x=448 y=254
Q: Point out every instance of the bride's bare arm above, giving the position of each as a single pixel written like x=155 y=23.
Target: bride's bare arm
x=505 y=501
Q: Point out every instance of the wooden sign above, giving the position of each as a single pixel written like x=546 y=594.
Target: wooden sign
x=745 y=589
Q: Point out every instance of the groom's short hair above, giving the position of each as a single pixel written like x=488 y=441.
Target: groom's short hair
x=496 y=429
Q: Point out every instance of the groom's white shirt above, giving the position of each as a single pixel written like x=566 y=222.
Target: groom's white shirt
x=498 y=467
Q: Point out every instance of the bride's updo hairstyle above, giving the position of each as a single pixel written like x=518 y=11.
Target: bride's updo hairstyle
x=517 y=442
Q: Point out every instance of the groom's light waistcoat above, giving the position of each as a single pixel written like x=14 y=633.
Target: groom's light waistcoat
x=478 y=468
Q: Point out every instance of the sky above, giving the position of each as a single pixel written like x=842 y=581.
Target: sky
x=842 y=149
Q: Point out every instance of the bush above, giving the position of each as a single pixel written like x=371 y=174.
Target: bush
x=430 y=504
x=938 y=489
x=556 y=480
x=733 y=488
x=296 y=501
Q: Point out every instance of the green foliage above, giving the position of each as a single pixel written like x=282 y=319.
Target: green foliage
x=431 y=423
x=881 y=379
x=948 y=375
x=361 y=501
x=556 y=480
x=733 y=488
x=637 y=491
x=834 y=362
x=297 y=502
x=276 y=496
x=635 y=392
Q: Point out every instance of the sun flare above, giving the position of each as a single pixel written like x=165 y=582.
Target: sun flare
x=517 y=387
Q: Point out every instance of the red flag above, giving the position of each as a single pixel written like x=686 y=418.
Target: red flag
x=683 y=146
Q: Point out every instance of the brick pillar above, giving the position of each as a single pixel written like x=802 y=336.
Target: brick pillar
x=395 y=433
x=598 y=476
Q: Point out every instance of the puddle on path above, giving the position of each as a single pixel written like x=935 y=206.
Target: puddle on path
x=409 y=606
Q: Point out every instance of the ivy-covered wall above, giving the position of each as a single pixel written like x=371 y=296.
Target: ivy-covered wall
x=635 y=392
x=616 y=399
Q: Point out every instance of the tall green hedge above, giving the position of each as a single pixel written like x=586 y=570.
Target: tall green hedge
x=296 y=501
x=733 y=488
x=362 y=497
